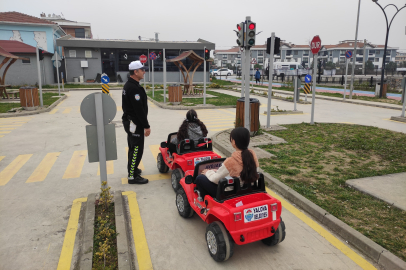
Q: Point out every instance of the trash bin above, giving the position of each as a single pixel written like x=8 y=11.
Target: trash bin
x=175 y=93
x=75 y=79
x=29 y=98
x=378 y=88
x=254 y=114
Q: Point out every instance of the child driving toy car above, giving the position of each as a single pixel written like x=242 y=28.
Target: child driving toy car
x=191 y=128
x=243 y=163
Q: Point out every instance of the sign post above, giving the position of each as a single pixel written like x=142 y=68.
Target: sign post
x=105 y=84
x=143 y=60
x=242 y=72
x=39 y=79
x=348 y=55
x=164 y=66
x=204 y=77
x=268 y=116
x=152 y=56
x=315 y=46
x=403 y=97
x=57 y=64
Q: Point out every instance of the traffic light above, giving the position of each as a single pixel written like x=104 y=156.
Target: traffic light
x=240 y=34
x=41 y=54
x=160 y=55
x=251 y=33
x=277 y=47
x=206 y=54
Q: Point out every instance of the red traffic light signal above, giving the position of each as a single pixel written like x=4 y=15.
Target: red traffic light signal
x=238 y=27
x=251 y=34
x=252 y=26
x=41 y=54
x=206 y=54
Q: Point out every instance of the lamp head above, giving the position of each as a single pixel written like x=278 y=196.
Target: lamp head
x=375 y=1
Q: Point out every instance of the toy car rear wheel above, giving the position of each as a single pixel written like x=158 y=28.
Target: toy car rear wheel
x=184 y=208
x=177 y=174
x=162 y=167
x=219 y=242
x=278 y=236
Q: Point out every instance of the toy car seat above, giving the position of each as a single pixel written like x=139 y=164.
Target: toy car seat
x=185 y=146
x=204 y=144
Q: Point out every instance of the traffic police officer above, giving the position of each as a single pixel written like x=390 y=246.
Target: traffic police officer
x=135 y=121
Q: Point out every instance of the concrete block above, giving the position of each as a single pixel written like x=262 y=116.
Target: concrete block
x=353 y=237
x=122 y=245
x=86 y=253
x=391 y=262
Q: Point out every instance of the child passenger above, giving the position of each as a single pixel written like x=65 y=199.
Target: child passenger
x=243 y=163
x=191 y=128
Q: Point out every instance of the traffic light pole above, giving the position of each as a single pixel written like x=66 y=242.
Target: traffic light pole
x=268 y=111
x=247 y=91
x=164 y=66
x=204 y=78
x=153 y=82
x=242 y=72
x=39 y=79
x=314 y=87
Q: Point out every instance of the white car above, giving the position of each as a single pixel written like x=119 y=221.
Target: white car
x=223 y=72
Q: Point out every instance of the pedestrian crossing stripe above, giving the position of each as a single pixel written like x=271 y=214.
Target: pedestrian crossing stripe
x=306 y=88
x=106 y=88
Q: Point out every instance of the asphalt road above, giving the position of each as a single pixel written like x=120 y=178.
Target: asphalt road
x=44 y=167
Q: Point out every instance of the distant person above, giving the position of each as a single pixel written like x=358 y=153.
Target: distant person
x=257 y=76
x=135 y=121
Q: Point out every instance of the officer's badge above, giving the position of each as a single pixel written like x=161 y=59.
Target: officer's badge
x=137 y=97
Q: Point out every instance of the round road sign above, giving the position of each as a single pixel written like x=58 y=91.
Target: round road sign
x=308 y=78
x=348 y=54
x=152 y=56
x=315 y=44
x=143 y=59
x=105 y=79
x=88 y=109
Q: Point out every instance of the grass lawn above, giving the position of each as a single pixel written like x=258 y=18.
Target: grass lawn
x=47 y=99
x=221 y=82
x=318 y=159
x=219 y=100
x=354 y=96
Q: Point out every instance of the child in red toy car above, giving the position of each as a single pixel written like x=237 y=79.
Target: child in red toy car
x=191 y=128
x=243 y=163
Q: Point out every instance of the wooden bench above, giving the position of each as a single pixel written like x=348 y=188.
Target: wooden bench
x=14 y=94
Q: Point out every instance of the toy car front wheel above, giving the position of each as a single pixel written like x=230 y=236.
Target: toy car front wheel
x=162 y=167
x=219 y=242
x=278 y=236
x=177 y=174
x=184 y=208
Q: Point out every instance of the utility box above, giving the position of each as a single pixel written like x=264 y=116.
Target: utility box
x=29 y=98
x=254 y=114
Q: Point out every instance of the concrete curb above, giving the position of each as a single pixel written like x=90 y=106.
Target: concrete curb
x=86 y=250
x=287 y=112
x=53 y=105
x=124 y=259
x=273 y=97
x=371 y=249
x=398 y=118
x=177 y=107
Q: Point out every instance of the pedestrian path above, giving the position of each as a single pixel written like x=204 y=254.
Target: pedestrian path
x=73 y=168
x=8 y=125
x=73 y=109
x=215 y=120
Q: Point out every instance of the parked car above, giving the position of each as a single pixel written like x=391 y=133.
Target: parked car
x=223 y=72
x=289 y=68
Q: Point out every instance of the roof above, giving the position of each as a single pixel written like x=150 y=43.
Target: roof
x=17 y=17
x=188 y=54
x=14 y=46
x=7 y=54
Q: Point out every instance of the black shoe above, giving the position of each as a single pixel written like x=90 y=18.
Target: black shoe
x=137 y=180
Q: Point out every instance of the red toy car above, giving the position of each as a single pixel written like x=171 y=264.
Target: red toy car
x=183 y=157
x=238 y=214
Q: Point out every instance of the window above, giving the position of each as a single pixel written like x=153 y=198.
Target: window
x=260 y=60
x=371 y=59
x=342 y=59
x=376 y=59
x=371 y=52
x=360 y=52
x=288 y=52
x=292 y=67
x=224 y=56
x=305 y=53
x=305 y=60
x=88 y=54
x=72 y=53
x=295 y=52
x=378 y=52
x=359 y=59
x=28 y=61
x=260 y=53
x=79 y=32
x=342 y=52
x=238 y=55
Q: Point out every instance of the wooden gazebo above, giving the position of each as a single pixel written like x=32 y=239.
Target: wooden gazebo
x=7 y=56
x=187 y=77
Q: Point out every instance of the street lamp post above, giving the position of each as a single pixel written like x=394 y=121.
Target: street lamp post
x=388 y=25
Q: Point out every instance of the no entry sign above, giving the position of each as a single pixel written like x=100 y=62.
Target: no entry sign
x=143 y=59
x=315 y=44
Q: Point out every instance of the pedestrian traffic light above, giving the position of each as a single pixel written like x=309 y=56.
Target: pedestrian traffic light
x=251 y=33
x=160 y=55
x=206 y=54
x=41 y=54
x=240 y=34
x=277 y=46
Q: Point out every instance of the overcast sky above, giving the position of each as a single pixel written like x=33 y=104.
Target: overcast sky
x=295 y=21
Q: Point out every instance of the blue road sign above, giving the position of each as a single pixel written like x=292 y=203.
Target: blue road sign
x=308 y=78
x=348 y=54
x=105 y=79
x=152 y=56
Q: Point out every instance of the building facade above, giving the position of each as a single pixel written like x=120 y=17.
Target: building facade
x=73 y=28
x=113 y=57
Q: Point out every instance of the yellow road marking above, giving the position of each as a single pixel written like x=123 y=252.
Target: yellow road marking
x=62 y=101
x=109 y=167
x=151 y=104
x=226 y=111
x=220 y=121
x=1 y=157
x=225 y=125
x=4 y=132
x=75 y=165
x=53 y=111
x=219 y=129
x=1 y=136
x=140 y=241
x=67 y=110
x=285 y=114
x=10 y=125
x=13 y=168
x=65 y=259
x=155 y=151
x=395 y=121
x=141 y=165
x=43 y=168
x=151 y=177
x=364 y=264
x=119 y=108
x=7 y=128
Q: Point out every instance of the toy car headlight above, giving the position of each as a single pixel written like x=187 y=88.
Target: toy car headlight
x=237 y=216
